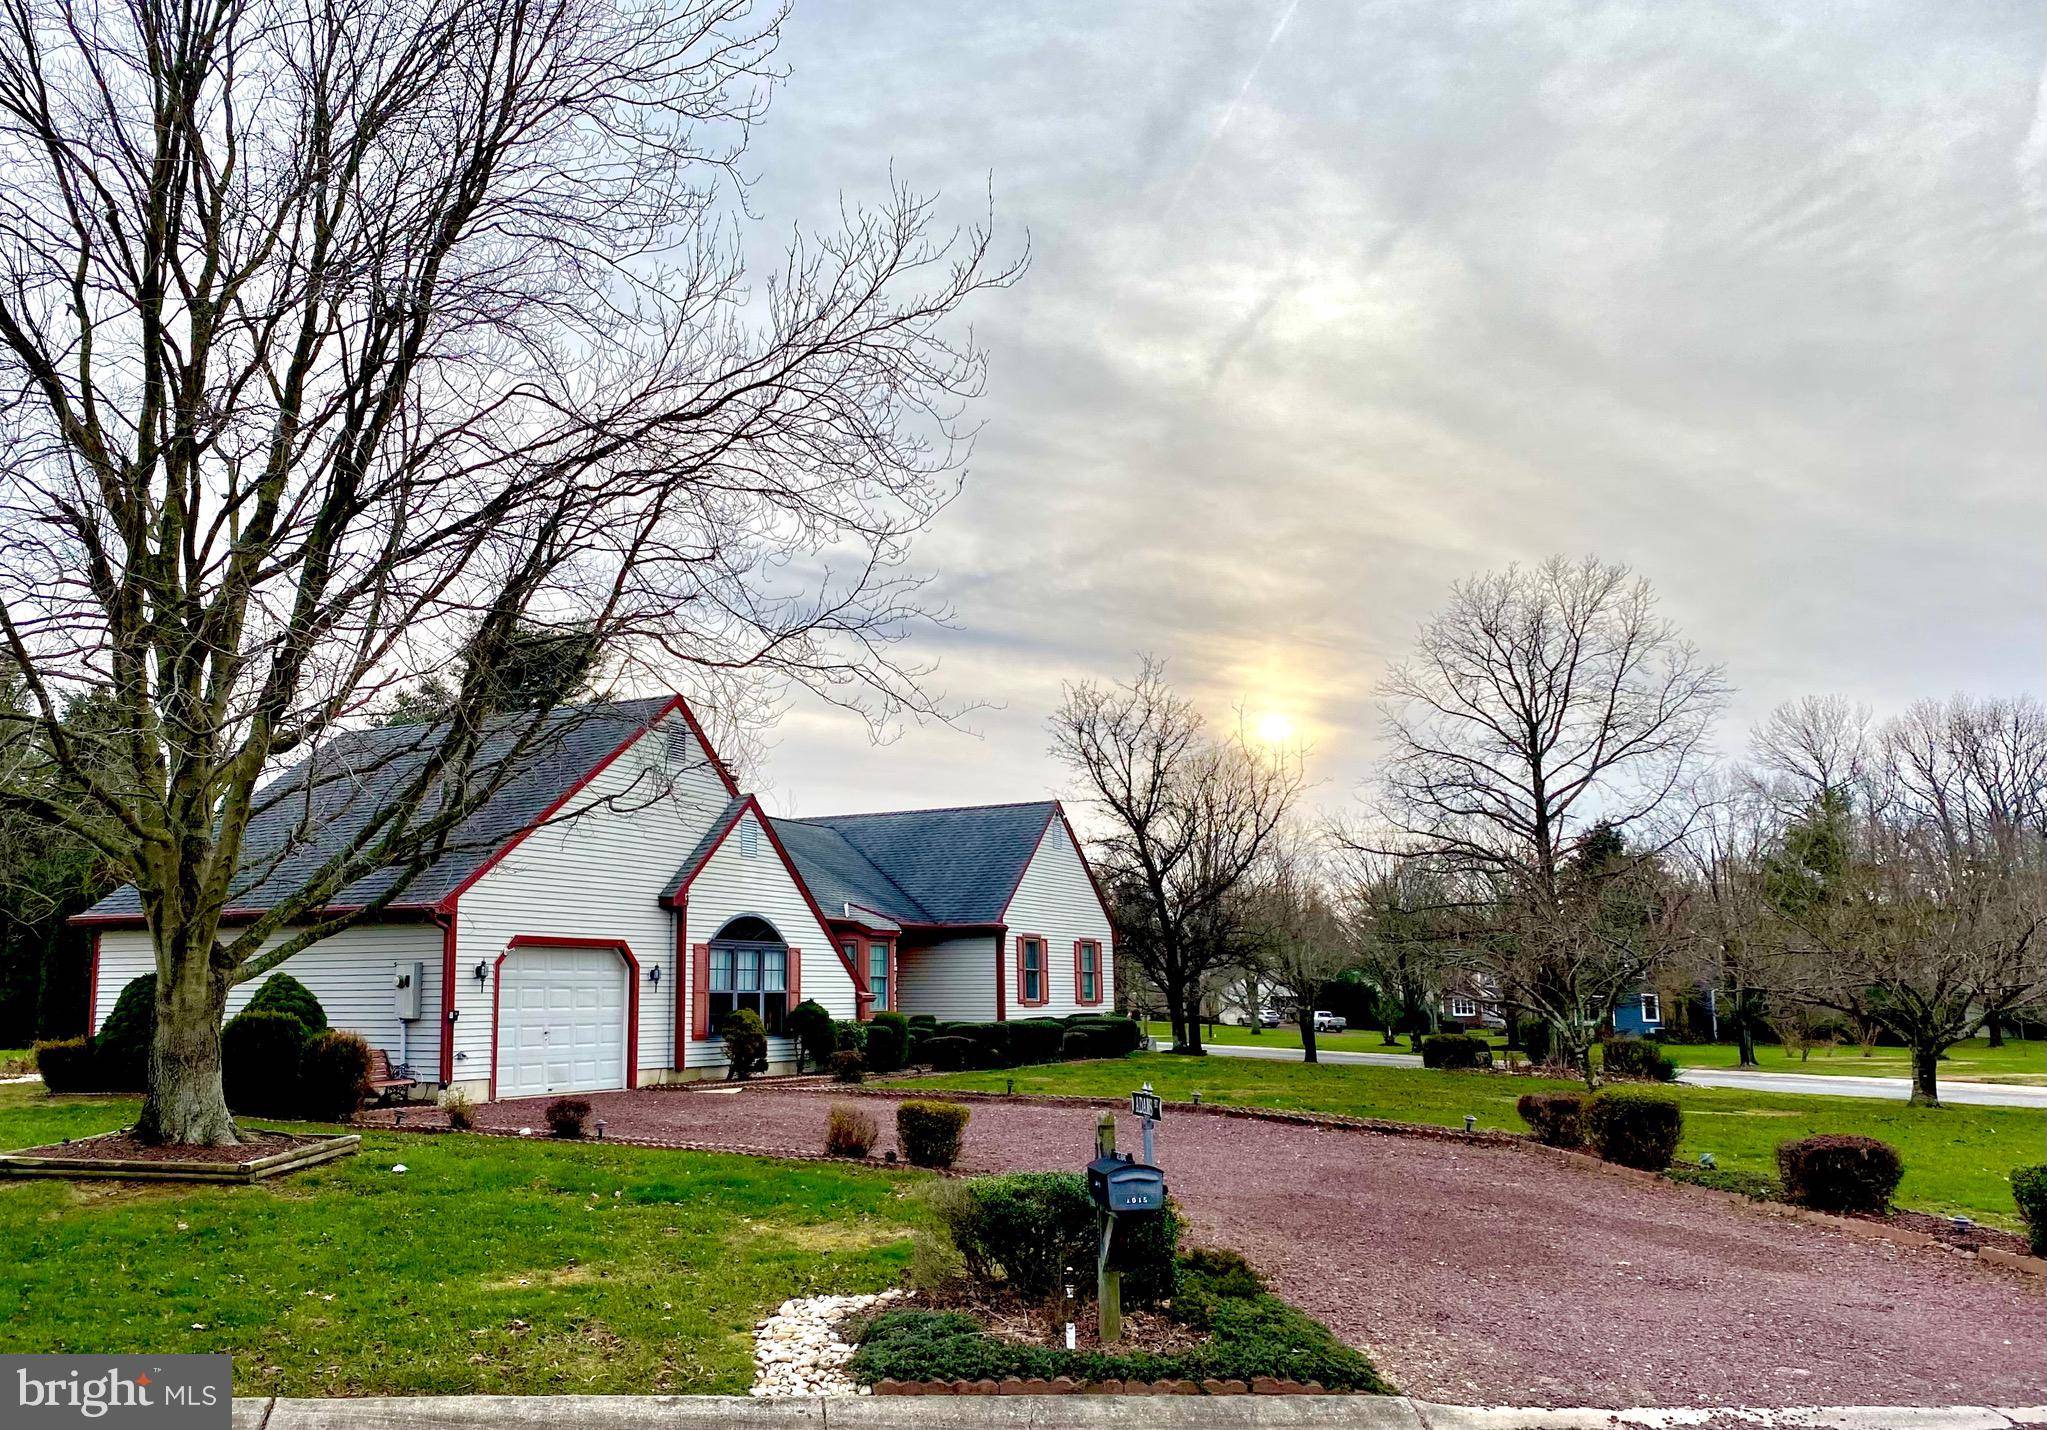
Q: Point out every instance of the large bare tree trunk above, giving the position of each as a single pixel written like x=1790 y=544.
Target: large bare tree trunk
x=1925 y=1075
x=1308 y=1038
x=185 y=1104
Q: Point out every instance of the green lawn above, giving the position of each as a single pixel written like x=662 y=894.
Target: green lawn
x=489 y=1266
x=1285 y=1036
x=1957 y=1159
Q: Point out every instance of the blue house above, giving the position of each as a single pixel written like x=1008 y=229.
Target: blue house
x=1638 y=1015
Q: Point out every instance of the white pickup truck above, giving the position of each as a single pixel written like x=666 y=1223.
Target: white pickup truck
x=1327 y=1022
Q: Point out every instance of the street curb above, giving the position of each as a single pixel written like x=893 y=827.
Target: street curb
x=1068 y=1412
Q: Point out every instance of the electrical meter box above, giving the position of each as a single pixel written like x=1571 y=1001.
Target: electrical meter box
x=406 y=981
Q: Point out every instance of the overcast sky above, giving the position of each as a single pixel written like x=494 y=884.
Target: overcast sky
x=1333 y=303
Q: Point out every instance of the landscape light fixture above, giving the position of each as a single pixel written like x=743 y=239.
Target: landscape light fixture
x=1470 y=1123
x=600 y=1129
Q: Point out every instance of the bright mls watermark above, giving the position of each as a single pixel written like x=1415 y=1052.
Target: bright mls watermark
x=161 y=1392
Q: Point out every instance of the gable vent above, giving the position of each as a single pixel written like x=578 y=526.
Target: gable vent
x=675 y=748
x=749 y=839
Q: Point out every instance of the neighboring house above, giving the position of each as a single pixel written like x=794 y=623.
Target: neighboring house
x=1472 y=1001
x=593 y=922
x=1638 y=1013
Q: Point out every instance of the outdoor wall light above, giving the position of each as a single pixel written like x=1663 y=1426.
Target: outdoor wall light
x=654 y=974
x=482 y=971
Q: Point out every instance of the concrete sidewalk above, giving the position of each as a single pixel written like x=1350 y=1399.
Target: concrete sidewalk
x=1060 y=1412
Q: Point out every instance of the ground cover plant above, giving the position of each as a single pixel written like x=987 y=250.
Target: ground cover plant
x=1957 y=1158
x=490 y=1265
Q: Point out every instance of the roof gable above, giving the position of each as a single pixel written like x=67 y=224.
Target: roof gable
x=309 y=813
x=927 y=866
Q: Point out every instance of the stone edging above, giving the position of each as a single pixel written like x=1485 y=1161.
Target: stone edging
x=1066 y=1385
x=137 y=1169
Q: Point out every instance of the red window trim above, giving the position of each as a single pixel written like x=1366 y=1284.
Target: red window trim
x=1095 y=1001
x=1023 y=998
x=632 y=1001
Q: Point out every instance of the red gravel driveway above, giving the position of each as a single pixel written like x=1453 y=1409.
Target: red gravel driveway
x=1488 y=1275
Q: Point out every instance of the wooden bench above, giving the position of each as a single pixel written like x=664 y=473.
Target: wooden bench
x=385 y=1083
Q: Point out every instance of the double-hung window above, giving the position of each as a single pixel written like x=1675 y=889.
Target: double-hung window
x=877 y=976
x=1030 y=975
x=1464 y=1007
x=1652 y=1008
x=1087 y=971
x=750 y=975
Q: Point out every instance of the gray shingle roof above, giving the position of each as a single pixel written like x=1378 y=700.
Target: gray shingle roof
x=945 y=866
x=727 y=817
x=296 y=829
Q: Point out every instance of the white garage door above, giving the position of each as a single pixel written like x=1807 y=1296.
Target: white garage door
x=561 y=1021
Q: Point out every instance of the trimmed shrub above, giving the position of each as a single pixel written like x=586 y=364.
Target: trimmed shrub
x=888 y=1042
x=849 y=1035
x=1634 y=1127
x=929 y=1133
x=991 y=1042
x=1456 y=1050
x=1832 y=1173
x=1036 y=1040
x=1113 y=1031
x=1027 y=1228
x=1556 y=1118
x=2029 y=1190
x=281 y=993
x=810 y=1024
x=849 y=1131
x=260 y=1055
x=566 y=1115
x=334 y=1076
x=947 y=1054
x=746 y=1043
x=1537 y=1039
x=121 y=1050
x=1637 y=1058
x=68 y=1065
x=848 y=1066
x=461 y=1111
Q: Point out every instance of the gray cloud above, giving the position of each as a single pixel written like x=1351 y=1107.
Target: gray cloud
x=1746 y=296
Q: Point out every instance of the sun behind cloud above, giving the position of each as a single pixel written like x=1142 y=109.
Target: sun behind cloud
x=1274 y=727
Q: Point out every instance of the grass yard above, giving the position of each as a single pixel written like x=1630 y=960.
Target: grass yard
x=490 y=1266
x=1285 y=1036
x=2019 y=1061
x=1957 y=1159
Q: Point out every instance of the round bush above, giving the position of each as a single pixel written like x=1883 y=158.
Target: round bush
x=1637 y=1058
x=1036 y=1040
x=260 y=1056
x=746 y=1042
x=888 y=1042
x=2029 y=1190
x=121 y=1050
x=1634 y=1127
x=68 y=1065
x=947 y=1054
x=1556 y=1118
x=848 y=1066
x=567 y=1115
x=811 y=1026
x=334 y=1076
x=1456 y=1050
x=281 y=993
x=929 y=1133
x=1027 y=1228
x=1839 y=1174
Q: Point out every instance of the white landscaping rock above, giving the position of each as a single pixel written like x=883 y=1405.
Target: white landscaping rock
x=798 y=1352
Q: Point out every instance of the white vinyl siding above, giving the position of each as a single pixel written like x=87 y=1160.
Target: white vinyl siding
x=349 y=972
x=596 y=871
x=733 y=882
x=953 y=980
x=1056 y=900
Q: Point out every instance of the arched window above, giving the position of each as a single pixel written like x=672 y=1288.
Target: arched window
x=750 y=969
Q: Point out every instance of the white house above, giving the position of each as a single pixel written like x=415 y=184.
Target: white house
x=589 y=926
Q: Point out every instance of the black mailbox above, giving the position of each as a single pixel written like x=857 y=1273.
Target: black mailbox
x=1120 y=1185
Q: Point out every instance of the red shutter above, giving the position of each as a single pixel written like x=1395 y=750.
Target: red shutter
x=795 y=979
x=700 y=991
x=895 y=992
x=1077 y=973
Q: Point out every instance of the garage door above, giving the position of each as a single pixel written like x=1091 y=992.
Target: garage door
x=561 y=1021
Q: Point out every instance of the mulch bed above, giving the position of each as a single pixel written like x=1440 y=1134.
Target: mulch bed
x=1020 y=1322
x=1973 y=1237
x=125 y=1146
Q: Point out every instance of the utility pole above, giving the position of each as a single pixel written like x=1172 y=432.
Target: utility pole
x=1108 y=1283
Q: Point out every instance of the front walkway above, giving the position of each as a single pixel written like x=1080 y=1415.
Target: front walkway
x=1484 y=1274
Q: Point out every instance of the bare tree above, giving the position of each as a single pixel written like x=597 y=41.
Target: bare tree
x=1813 y=744
x=1933 y=925
x=340 y=342
x=1294 y=937
x=1187 y=815
x=1400 y=923
x=1544 y=740
x=1728 y=853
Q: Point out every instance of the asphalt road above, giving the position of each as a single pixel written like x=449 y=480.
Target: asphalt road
x=1980 y=1094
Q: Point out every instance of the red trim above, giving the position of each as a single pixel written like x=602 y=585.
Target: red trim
x=1025 y=868
x=1081 y=853
x=632 y=1002
x=1077 y=973
x=1001 y=982
x=447 y=900
x=824 y=925
x=92 y=989
x=681 y=1029
x=448 y=1003
x=1044 y=971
